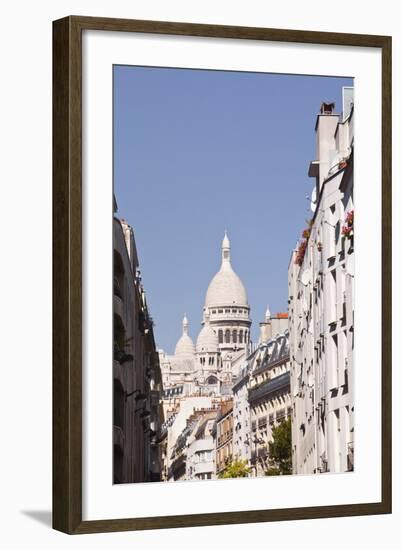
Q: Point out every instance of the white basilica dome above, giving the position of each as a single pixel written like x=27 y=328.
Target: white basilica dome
x=207 y=341
x=184 y=348
x=226 y=288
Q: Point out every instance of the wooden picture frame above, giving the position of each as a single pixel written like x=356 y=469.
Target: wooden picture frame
x=67 y=273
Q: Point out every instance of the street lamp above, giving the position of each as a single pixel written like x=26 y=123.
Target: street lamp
x=144 y=413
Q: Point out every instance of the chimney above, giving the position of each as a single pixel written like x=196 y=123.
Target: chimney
x=265 y=332
x=265 y=327
x=325 y=128
x=327 y=108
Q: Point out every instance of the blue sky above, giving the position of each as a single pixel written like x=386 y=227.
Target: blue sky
x=197 y=152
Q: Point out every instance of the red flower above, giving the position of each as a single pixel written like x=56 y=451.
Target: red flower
x=299 y=257
x=350 y=218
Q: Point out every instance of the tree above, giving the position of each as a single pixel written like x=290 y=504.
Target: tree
x=280 y=462
x=236 y=468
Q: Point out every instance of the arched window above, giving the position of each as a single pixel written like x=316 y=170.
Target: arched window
x=220 y=336
x=240 y=336
x=228 y=339
x=234 y=336
x=212 y=380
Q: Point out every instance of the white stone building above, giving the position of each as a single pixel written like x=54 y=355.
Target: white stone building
x=200 y=459
x=321 y=306
x=210 y=367
x=269 y=397
x=241 y=413
x=268 y=360
x=205 y=371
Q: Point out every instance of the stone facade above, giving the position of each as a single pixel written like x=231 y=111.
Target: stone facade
x=201 y=375
x=224 y=437
x=137 y=382
x=209 y=367
x=321 y=308
x=269 y=398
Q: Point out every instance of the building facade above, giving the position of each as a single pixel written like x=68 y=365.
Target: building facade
x=321 y=306
x=200 y=464
x=137 y=381
x=223 y=435
x=269 y=398
x=192 y=457
x=201 y=375
x=210 y=366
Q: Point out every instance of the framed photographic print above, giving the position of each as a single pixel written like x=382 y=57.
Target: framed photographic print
x=222 y=274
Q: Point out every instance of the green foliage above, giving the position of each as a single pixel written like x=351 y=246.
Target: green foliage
x=237 y=468
x=272 y=472
x=280 y=462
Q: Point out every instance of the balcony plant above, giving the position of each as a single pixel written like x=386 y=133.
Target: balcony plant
x=300 y=254
x=348 y=229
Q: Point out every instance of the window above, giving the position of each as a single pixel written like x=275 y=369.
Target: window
x=262 y=422
x=240 y=336
x=220 y=336
x=234 y=336
x=228 y=336
x=204 y=456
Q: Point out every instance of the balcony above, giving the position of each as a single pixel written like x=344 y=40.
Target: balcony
x=154 y=398
x=118 y=438
x=202 y=445
x=203 y=468
x=280 y=415
x=262 y=423
x=278 y=384
x=226 y=436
